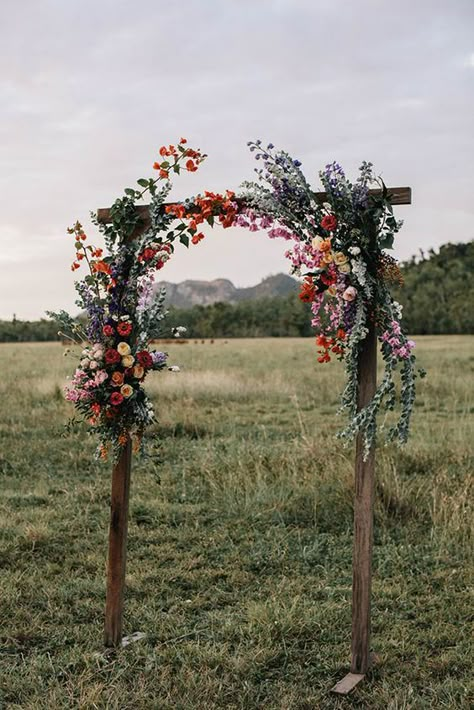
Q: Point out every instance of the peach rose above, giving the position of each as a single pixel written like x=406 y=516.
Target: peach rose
x=123 y=348
x=126 y=391
x=325 y=245
x=117 y=379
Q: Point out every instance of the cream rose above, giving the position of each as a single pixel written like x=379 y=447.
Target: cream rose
x=126 y=391
x=123 y=348
x=128 y=360
x=316 y=243
x=138 y=372
x=345 y=268
x=340 y=258
x=328 y=257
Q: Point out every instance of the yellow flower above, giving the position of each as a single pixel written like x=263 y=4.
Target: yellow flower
x=138 y=372
x=128 y=360
x=124 y=349
x=328 y=257
x=332 y=290
x=126 y=391
x=340 y=258
x=345 y=268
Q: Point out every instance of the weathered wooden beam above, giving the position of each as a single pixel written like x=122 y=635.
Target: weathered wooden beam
x=399 y=196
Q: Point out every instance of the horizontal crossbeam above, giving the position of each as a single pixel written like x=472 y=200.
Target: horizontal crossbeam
x=398 y=196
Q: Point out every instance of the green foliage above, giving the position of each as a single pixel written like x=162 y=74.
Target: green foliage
x=263 y=317
x=438 y=294
x=18 y=331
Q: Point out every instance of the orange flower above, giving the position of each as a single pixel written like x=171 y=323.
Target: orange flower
x=197 y=238
x=191 y=166
x=163 y=151
x=325 y=245
x=341 y=334
x=102 y=267
x=164 y=174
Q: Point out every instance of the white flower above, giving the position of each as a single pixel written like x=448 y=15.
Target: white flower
x=174 y=368
x=124 y=317
x=179 y=330
x=355 y=251
x=93 y=365
x=359 y=270
x=85 y=363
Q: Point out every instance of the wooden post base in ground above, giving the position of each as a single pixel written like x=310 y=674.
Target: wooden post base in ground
x=117 y=547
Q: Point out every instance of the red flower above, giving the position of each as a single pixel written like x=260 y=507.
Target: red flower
x=145 y=359
x=124 y=328
x=102 y=267
x=112 y=356
x=116 y=398
x=147 y=254
x=96 y=408
x=329 y=223
x=108 y=330
x=191 y=166
x=324 y=357
x=197 y=238
x=324 y=342
x=308 y=290
x=328 y=278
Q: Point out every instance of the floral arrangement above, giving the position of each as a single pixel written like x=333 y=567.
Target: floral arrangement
x=338 y=248
x=117 y=296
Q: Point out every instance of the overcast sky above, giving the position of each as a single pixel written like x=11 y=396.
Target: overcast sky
x=91 y=88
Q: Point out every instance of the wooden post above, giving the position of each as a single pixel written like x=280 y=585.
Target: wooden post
x=363 y=513
x=117 y=547
x=363 y=524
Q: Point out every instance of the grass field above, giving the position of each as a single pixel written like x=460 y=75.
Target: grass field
x=239 y=565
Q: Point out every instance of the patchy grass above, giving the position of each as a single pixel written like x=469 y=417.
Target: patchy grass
x=240 y=533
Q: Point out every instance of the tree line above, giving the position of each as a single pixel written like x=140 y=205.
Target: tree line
x=438 y=298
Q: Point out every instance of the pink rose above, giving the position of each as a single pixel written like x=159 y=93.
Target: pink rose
x=350 y=293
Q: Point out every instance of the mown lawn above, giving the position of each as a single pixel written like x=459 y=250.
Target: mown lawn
x=239 y=567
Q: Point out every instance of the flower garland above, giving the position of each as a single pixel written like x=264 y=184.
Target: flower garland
x=117 y=295
x=338 y=249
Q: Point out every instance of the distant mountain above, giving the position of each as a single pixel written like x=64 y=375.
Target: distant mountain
x=204 y=293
